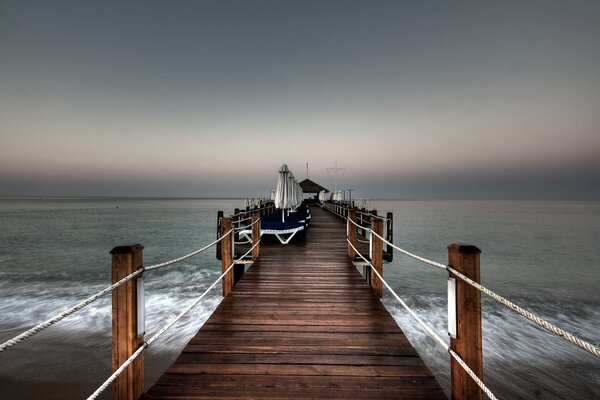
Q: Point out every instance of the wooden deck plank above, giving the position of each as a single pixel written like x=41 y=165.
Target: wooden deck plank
x=301 y=323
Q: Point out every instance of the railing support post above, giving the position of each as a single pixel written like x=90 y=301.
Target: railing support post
x=465 y=259
x=255 y=235
x=129 y=385
x=377 y=256
x=226 y=255
x=351 y=232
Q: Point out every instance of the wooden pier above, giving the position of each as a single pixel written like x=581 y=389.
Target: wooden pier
x=300 y=323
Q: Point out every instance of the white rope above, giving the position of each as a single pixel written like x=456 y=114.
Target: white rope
x=160 y=332
x=118 y=372
x=243 y=220
x=435 y=336
x=411 y=255
x=192 y=254
x=41 y=326
x=530 y=316
x=241 y=228
x=46 y=324
x=519 y=310
x=357 y=224
x=251 y=211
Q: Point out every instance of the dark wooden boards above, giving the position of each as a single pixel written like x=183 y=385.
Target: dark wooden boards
x=301 y=323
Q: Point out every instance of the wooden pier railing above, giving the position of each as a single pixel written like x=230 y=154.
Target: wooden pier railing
x=301 y=322
x=279 y=313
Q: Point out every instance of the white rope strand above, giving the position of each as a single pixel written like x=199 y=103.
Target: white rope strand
x=519 y=310
x=411 y=255
x=49 y=322
x=192 y=254
x=118 y=372
x=161 y=331
x=434 y=335
x=530 y=316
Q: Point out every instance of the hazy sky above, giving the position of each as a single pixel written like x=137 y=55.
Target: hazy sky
x=207 y=98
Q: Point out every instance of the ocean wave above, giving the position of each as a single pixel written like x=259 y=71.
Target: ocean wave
x=521 y=360
x=166 y=295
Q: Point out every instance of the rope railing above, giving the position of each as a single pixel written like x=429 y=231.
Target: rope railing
x=185 y=257
x=428 y=329
x=370 y=215
x=530 y=316
x=51 y=321
x=240 y=221
x=241 y=228
x=251 y=211
x=147 y=344
x=502 y=300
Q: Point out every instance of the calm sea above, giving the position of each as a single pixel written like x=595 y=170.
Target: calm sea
x=55 y=252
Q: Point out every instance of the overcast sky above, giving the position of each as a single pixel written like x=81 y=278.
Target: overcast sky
x=207 y=98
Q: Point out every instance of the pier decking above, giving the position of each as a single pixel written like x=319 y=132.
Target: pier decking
x=301 y=323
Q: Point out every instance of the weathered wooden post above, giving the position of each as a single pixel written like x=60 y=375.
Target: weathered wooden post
x=351 y=232
x=377 y=256
x=255 y=235
x=465 y=259
x=127 y=336
x=219 y=216
x=226 y=255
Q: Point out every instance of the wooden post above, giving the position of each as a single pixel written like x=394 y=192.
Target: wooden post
x=465 y=259
x=351 y=233
x=226 y=256
x=377 y=256
x=219 y=216
x=255 y=235
x=390 y=235
x=125 y=340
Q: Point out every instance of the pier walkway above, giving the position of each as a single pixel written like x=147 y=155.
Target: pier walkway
x=301 y=323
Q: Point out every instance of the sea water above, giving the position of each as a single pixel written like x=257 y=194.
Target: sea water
x=55 y=252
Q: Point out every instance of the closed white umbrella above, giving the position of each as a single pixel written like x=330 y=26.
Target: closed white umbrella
x=288 y=193
x=292 y=191
x=322 y=196
x=281 y=191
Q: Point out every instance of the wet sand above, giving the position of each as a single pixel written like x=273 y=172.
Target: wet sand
x=64 y=366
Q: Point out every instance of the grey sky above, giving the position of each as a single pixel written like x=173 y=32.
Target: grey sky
x=415 y=99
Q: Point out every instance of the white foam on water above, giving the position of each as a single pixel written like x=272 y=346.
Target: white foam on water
x=167 y=294
x=521 y=360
